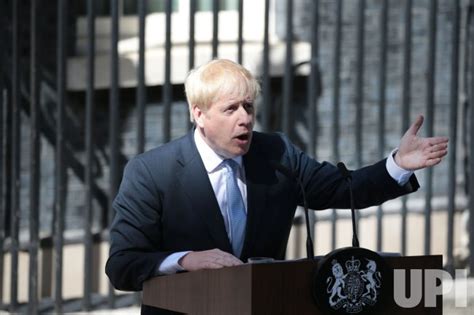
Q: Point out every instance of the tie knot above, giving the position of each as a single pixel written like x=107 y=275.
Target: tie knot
x=232 y=165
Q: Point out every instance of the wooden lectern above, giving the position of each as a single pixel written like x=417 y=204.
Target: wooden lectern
x=270 y=288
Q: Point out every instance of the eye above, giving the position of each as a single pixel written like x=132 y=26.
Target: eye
x=248 y=106
x=231 y=108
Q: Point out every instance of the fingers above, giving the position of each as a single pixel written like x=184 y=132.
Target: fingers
x=436 y=145
x=435 y=152
x=413 y=130
x=208 y=259
x=435 y=149
x=433 y=162
x=440 y=146
x=438 y=140
x=225 y=259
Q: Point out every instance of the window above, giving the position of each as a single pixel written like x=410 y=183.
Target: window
x=224 y=5
x=128 y=7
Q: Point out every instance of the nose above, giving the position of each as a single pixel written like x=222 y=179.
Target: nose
x=245 y=117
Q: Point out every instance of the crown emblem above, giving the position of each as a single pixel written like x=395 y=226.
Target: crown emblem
x=353 y=265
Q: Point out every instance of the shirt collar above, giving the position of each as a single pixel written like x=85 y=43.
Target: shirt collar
x=209 y=157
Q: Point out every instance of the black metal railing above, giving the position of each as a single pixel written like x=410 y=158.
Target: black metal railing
x=331 y=104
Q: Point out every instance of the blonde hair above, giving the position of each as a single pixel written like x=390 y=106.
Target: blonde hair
x=209 y=82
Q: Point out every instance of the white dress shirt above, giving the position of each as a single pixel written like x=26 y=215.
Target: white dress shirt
x=216 y=172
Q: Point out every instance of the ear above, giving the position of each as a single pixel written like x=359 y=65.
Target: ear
x=198 y=116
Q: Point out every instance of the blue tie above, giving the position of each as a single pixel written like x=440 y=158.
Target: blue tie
x=236 y=207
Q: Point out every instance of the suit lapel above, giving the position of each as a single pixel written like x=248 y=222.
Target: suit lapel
x=197 y=187
x=256 y=177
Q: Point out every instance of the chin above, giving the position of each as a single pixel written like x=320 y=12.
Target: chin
x=236 y=152
x=243 y=151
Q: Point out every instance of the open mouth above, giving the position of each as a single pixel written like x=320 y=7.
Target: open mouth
x=243 y=137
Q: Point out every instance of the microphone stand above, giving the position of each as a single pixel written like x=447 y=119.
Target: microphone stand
x=348 y=177
x=309 y=240
x=290 y=174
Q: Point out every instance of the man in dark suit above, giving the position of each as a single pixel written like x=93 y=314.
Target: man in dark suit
x=175 y=207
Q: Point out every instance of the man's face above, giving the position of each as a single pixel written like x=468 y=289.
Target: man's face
x=227 y=125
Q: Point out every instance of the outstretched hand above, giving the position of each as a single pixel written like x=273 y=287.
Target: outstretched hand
x=417 y=152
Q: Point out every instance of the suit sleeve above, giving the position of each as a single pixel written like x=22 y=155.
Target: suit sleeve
x=135 y=233
x=326 y=188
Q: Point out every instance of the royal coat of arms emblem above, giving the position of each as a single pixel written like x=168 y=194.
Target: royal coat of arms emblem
x=351 y=281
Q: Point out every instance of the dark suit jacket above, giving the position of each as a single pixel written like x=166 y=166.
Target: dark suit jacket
x=166 y=203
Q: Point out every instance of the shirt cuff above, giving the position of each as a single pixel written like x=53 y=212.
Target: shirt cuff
x=400 y=175
x=170 y=264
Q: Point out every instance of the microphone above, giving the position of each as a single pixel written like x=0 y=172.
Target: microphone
x=347 y=176
x=293 y=175
x=337 y=269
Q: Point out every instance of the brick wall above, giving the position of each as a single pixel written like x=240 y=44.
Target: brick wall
x=75 y=200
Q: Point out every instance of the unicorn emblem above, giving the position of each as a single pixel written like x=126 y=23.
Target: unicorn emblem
x=372 y=279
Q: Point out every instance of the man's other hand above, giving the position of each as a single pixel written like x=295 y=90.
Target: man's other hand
x=208 y=259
